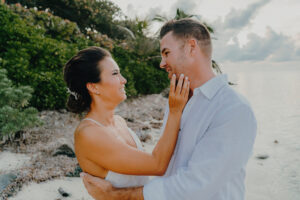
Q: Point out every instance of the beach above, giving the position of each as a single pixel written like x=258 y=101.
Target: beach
x=272 y=171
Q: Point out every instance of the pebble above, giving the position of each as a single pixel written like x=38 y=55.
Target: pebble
x=63 y=192
x=262 y=156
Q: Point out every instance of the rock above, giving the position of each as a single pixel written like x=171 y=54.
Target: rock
x=62 y=111
x=129 y=119
x=156 y=125
x=75 y=173
x=63 y=192
x=6 y=180
x=144 y=135
x=262 y=156
x=276 y=141
x=64 y=150
x=165 y=92
x=145 y=127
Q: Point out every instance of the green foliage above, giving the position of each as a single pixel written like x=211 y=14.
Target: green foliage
x=138 y=41
x=143 y=76
x=35 y=45
x=14 y=113
x=88 y=14
x=32 y=58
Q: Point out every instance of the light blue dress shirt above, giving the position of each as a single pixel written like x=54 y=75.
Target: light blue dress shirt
x=218 y=130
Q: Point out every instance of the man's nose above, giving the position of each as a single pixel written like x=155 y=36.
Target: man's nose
x=162 y=64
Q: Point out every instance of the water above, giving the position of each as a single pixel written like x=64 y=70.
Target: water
x=274 y=93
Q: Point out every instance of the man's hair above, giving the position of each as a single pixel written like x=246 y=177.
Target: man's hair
x=188 y=28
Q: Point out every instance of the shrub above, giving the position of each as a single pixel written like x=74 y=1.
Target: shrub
x=35 y=45
x=93 y=14
x=33 y=58
x=14 y=113
x=144 y=75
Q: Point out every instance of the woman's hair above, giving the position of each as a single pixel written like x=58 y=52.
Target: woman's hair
x=83 y=68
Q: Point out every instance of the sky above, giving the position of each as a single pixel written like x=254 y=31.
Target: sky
x=245 y=31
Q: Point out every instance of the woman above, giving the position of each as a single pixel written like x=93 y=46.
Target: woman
x=104 y=145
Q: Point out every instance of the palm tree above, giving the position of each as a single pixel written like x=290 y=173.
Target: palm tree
x=180 y=14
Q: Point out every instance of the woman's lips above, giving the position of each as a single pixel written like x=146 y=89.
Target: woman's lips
x=123 y=90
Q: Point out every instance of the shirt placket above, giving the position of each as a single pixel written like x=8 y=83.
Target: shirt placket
x=185 y=113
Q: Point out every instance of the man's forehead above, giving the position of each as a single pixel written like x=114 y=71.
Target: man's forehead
x=166 y=42
x=167 y=38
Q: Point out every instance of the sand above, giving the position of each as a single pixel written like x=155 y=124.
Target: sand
x=11 y=161
x=49 y=190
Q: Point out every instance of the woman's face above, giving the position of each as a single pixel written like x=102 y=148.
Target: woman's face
x=112 y=84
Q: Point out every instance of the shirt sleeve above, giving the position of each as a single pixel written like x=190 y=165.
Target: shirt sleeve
x=220 y=154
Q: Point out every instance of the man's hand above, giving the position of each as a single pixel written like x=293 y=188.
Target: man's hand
x=97 y=187
x=101 y=189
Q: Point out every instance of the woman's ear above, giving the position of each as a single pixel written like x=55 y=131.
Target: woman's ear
x=92 y=88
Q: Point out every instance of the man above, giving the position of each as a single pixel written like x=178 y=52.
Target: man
x=217 y=130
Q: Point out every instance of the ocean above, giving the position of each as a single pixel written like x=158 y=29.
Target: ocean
x=274 y=93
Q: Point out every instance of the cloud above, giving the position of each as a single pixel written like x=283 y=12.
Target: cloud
x=131 y=10
x=272 y=46
x=240 y=18
x=187 y=6
x=152 y=12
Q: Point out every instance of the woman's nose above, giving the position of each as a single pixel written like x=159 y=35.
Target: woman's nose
x=124 y=81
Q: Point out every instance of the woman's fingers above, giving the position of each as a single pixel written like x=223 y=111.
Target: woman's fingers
x=185 y=88
x=187 y=92
x=173 y=84
x=178 y=93
x=179 y=85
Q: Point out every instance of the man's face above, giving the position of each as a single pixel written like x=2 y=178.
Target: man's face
x=173 y=55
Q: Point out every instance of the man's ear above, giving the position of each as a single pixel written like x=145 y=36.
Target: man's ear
x=193 y=45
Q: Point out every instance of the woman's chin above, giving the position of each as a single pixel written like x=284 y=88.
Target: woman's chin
x=123 y=97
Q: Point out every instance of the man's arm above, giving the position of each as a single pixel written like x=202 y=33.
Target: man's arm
x=128 y=193
x=100 y=189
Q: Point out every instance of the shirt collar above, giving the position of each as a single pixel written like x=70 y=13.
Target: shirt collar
x=211 y=87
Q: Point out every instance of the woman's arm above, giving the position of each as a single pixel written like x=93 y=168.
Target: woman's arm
x=110 y=153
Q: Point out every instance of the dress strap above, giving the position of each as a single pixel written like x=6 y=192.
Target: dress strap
x=136 y=139
x=98 y=123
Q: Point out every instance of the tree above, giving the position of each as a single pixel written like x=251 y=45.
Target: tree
x=88 y=14
x=14 y=113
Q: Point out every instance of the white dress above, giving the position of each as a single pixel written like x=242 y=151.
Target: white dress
x=122 y=180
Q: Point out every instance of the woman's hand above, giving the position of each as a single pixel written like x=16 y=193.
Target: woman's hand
x=179 y=93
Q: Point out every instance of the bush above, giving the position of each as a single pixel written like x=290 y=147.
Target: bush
x=93 y=14
x=35 y=45
x=14 y=115
x=33 y=58
x=143 y=76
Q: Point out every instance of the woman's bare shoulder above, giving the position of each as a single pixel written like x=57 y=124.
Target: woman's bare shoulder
x=89 y=131
x=120 y=119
